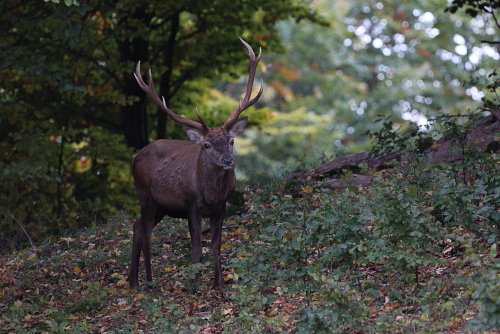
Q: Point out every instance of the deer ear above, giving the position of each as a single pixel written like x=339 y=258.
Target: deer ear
x=193 y=135
x=238 y=127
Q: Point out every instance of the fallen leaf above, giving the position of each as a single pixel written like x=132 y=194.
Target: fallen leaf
x=121 y=283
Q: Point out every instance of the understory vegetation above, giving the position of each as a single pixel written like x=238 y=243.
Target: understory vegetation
x=414 y=252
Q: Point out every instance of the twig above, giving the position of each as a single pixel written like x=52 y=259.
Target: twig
x=17 y=221
x=490 y=42
x=497 y=23
x=494 y=16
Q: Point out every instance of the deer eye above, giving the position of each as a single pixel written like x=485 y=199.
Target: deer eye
x=232 y=142
x=207 y=145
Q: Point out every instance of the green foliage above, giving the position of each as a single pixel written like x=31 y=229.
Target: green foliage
x=485 y=294
x=334 y=249
x=287 y=141
x=473 y=8
x=378 y=59
x=66 y=2
x=462 y=196
x=69 y=97
x=53 y=181
x=391 y=138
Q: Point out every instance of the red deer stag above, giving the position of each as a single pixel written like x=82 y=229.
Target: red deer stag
x=187 y=179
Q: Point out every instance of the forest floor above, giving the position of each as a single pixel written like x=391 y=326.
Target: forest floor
x=277 y=280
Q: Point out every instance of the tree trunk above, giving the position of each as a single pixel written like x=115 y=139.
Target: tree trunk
x=166 y=77
x=134 y=117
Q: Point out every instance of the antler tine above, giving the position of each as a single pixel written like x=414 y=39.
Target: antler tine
x=150 y=90
x=247 y=102
x=252 y=68
x=205 y=126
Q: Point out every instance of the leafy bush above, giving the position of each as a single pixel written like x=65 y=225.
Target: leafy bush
x=73 y=182
x=485 y=295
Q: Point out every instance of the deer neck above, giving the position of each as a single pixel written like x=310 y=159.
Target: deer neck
x=216 y=183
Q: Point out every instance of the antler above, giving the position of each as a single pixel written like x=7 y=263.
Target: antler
x=247 y=102
x=150 y=90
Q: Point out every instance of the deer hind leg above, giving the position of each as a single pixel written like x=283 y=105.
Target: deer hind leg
x=141 y=241
x=146 y=245
x=136 y=253
x=154 y=216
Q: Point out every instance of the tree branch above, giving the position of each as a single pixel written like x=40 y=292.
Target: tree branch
x=492 y=12
x=17 y=221
x=490 y=42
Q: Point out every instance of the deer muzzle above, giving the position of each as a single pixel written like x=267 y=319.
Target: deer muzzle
x=227 y=161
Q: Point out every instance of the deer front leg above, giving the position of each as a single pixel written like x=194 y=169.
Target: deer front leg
x=194 y=223
x=216 y=222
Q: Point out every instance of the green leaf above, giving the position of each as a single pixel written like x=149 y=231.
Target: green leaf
x=413 y=191
x=493 y=251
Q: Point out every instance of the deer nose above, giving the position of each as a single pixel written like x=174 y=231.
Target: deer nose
x=227 y=161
